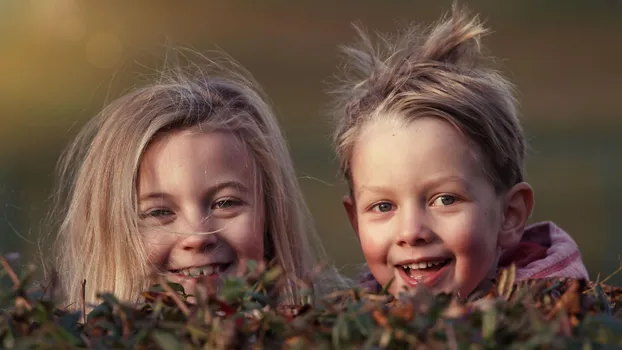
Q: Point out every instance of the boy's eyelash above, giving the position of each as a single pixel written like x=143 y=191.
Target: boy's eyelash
x=377 y=205
x=453 y=199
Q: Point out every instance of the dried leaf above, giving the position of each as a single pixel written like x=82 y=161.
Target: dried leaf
x=506 y=282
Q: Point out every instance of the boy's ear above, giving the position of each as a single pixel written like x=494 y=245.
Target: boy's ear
x=517 y=209
x=350 y=206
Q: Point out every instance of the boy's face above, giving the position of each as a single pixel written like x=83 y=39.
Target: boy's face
x=423 y=209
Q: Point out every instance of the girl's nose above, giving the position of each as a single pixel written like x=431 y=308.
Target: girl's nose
x=198 y=232
x=199 y=242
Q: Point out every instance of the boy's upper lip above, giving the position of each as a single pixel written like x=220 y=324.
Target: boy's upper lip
x=429 y=258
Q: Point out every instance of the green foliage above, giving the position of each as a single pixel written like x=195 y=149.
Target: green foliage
x=537 y=314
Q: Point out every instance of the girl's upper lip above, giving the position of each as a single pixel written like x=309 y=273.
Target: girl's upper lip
x=176 y=269
x=423 y=259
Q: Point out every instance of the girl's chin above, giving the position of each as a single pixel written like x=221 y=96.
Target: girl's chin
x=192 y=284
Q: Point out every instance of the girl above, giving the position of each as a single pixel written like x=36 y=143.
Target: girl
x=432 y=150
x=189 y=176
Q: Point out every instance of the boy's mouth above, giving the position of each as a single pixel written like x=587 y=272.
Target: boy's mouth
x=427 y=272
x=205 y=270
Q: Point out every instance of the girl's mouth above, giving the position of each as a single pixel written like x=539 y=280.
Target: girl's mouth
x=427 y=272
x=205 y=270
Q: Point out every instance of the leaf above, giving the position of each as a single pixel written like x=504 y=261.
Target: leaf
x=380 y=318
x=506 y=282
x=174 y=286
x=69 y=320
x=489 y=320
x=252 y=265
x=602 y=298
x=167 y=340
x=385 y=289
x=608 y=321
x=336 y=333
x=273 y=274
x=386 y=338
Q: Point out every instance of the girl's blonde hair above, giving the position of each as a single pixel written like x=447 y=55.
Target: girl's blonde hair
x=440 y=72
x=99 y=239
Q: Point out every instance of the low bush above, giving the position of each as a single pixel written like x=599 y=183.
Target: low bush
x=242 y=314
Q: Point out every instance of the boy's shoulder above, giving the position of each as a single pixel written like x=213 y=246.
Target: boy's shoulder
x=545 y=250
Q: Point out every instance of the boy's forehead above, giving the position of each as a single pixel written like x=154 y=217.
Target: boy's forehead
x=422 y=148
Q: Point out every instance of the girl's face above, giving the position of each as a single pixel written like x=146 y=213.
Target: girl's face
x=423 y=209
x=198 y=206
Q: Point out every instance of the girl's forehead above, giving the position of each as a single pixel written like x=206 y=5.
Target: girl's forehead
x=184 y=157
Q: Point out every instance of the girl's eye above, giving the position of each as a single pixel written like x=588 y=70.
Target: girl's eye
x=383 y=207
x=444 y=200
x=156 y=213
x=225 y=203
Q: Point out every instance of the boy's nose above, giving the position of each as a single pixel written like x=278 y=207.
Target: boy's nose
x=414 y=229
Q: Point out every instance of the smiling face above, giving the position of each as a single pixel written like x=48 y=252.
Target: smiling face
x=423 y=208
x=200 y=210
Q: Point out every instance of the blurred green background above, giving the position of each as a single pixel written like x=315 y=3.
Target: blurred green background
x=62 y=60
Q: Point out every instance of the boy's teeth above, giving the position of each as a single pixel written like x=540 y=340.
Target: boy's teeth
x=423 y=265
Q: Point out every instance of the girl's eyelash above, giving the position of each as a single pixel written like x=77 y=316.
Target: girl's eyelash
x=226 y=203
x=156 y=213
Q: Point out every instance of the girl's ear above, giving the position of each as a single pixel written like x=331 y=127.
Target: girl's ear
x=517 y=209
x=350 y=206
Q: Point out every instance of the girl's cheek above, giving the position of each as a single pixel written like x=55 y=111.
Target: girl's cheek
x=247 y=237
x=157 y=248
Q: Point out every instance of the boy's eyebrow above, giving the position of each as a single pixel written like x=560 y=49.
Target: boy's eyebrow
x=371 y=188
x=213 y=189
x=450 y=178
x=431 y=183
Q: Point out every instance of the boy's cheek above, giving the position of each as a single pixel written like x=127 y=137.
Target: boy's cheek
x=374 y=245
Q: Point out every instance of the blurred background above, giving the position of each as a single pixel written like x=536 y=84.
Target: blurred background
x=62 y=60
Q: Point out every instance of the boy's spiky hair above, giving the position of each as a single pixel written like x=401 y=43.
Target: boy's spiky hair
x=435 y=72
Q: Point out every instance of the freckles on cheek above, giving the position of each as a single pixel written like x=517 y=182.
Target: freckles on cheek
x=250 y=247
x=158 y=246
x=374 y=248
x=157 y=252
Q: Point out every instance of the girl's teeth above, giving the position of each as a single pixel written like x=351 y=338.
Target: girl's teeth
x=201 y=271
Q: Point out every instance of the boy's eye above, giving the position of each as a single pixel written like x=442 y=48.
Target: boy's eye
x=383 y=207
x=444 y=200
x=225 y=203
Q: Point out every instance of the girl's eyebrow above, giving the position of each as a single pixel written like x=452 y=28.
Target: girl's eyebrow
x=154 y=195
x=211 y=190
x=228 y=184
